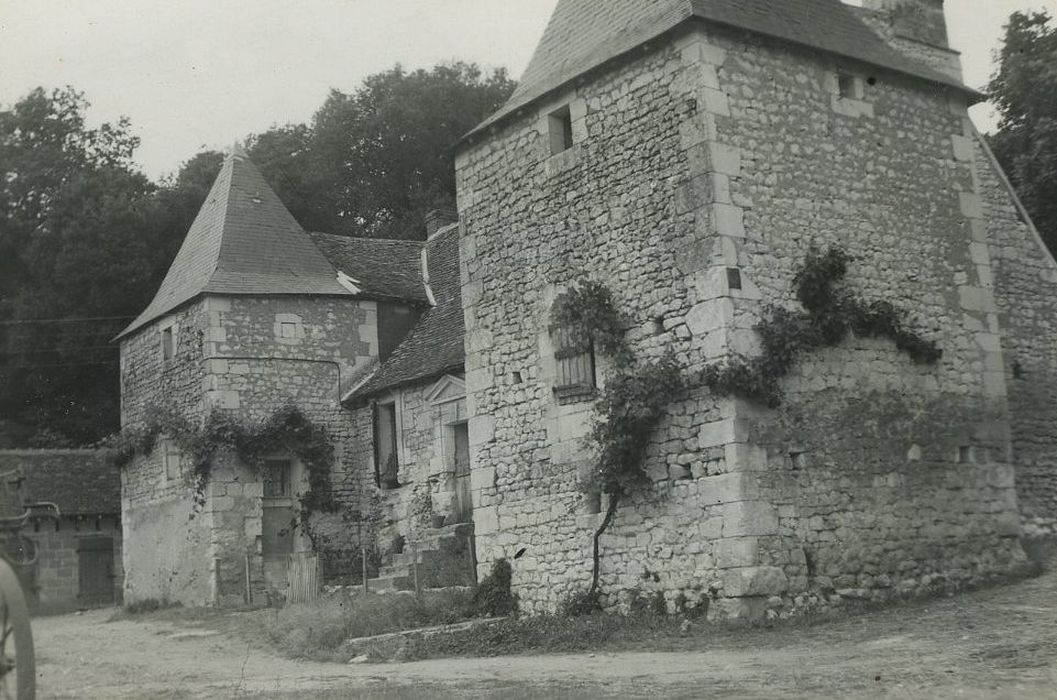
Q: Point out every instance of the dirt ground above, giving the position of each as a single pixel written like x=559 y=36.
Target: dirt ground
x=996 y=643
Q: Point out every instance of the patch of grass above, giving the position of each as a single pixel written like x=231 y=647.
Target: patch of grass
x=147 y=606
x=318 y=630
x=552 y=634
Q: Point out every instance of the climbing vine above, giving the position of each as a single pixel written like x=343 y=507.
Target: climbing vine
x=588 y=311
x=635 y=398
x=637 y=394
x=287 y=431
x=830 y=314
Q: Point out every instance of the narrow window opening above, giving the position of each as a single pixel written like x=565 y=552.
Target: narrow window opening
x=965 y=454
x=516 y=378
x=386 y=461
x=733 y=278
x=173 y=461
x=561 y=130
x=288 y=330
x=168 y=349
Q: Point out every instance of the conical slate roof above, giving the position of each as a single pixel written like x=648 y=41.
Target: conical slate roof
x=584 y=34
x=243 y=241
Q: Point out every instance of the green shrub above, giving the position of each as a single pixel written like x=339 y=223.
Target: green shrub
x=493 y=596
x=579 y=604
x=318 y=630
x=149 y=605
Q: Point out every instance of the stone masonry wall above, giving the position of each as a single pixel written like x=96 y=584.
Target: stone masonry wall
x=1026 y=295
x=253 y=356
x=717 y=152
x=426 y=451
x=57 y=572
x=533 y=223
x=862 y=462
x=166 y=555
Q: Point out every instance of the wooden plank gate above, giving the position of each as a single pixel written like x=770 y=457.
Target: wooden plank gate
x=304 y=578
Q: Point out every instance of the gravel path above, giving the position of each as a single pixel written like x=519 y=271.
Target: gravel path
x=995 y=643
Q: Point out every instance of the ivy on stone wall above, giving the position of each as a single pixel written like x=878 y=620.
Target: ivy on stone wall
x=635 y=398
x=637 y=394
x=587 y=310
x=287 y=431
x=831 y=313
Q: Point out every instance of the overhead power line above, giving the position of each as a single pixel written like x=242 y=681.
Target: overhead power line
x=60 y=364
x=81 y=319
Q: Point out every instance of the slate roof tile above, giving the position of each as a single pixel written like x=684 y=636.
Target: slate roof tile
x=385 y=270
x=584 y=34
x=81 y=482
x=243 y=241
x=435 y=345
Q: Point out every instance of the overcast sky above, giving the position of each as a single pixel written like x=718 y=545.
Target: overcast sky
x=205 y=73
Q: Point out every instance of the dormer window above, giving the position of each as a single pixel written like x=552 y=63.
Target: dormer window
x=560 y=124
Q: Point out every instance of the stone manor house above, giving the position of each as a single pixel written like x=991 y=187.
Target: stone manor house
x=688 y=154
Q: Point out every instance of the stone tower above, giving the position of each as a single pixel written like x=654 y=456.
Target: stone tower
x=917 y=28
x=690 y=155
x=251 y=317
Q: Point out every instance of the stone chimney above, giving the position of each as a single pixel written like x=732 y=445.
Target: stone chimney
x=436 y=219
x=916 y=28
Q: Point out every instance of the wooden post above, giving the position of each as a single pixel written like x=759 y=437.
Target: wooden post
x=472 y=557
x=414 y=565
x=249 y=587
x=363 y=561
x=216 y=581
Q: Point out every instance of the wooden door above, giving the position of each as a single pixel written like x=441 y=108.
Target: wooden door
x=95 y=557
x=463 y=505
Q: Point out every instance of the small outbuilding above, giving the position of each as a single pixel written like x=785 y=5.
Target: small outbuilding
x=74 y=562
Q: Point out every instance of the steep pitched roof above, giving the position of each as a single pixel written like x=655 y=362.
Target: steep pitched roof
x=243 y=241
x=435 y=345
x=584 y=34
x=80 y=482
x=383 y=270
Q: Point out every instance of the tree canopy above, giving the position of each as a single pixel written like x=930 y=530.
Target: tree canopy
x=85 y=238
x=1024 y=89
x=374 y=161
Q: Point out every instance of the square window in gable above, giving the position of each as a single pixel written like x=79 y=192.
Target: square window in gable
x=560 y=125
x=848 y=86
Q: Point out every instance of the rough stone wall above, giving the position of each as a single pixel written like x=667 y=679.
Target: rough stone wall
x=720 y=152
x=57 y=575
x=534 y=222
x=252 y=355
x=1026 y=295
x=166 y=554
x=425 y=450
x=864 y=458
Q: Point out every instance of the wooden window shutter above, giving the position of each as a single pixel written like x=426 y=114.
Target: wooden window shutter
x=575 y=367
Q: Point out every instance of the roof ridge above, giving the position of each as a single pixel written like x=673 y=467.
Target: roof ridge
x=584 y=35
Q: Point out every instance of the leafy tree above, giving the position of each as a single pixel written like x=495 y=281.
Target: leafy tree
x=81 y=238
x=376 y=160
x=1024 y=88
